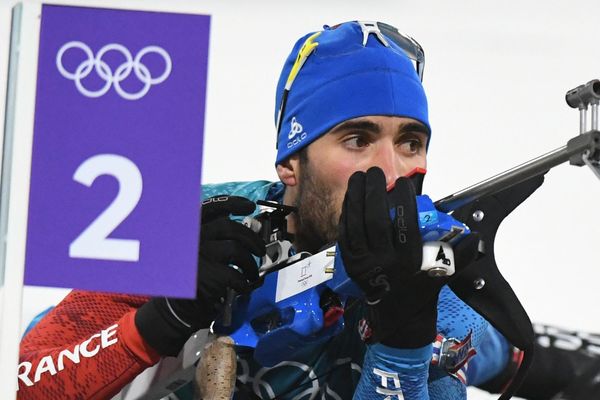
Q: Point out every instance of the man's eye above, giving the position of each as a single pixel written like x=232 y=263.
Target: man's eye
x=356 y=142
x=412 y=146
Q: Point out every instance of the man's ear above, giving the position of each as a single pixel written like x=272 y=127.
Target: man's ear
x=288 y=170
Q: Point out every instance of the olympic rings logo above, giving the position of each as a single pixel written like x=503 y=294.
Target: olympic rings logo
x=105 y=72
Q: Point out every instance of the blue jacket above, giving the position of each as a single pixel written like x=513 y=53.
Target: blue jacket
x=345 y=367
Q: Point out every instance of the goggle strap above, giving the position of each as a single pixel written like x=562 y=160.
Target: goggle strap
x=306 y=50
x=280 y=116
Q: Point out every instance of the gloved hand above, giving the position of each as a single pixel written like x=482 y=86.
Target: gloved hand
x=383 y=256
x=167 y=323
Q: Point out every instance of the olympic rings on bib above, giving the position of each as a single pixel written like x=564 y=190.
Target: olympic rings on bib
x=105 y=72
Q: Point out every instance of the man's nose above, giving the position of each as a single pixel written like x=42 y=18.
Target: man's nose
x=390 y=162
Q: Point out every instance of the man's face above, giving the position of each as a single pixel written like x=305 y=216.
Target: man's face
x=394 y=144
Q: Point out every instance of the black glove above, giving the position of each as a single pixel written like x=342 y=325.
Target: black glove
x=167 y=323
x=383 y=256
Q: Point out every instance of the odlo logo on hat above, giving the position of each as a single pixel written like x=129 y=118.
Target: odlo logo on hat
x=295 y=130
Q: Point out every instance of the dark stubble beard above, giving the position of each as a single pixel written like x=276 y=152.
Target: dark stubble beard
x=317 y=217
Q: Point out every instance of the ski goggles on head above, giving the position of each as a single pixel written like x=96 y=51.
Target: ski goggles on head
x=385 y=33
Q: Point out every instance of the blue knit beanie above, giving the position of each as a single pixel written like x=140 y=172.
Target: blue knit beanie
x=343 y=79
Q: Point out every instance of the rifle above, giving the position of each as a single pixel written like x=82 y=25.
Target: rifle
x=301 y=297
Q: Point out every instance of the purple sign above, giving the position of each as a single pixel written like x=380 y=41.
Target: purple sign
x=117 y=151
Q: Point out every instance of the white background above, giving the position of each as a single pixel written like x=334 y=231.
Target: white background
x=496 y=74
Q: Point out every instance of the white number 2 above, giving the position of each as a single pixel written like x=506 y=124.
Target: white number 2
x=94 y=242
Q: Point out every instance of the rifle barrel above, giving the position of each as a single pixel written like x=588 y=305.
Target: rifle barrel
x=512 y=176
